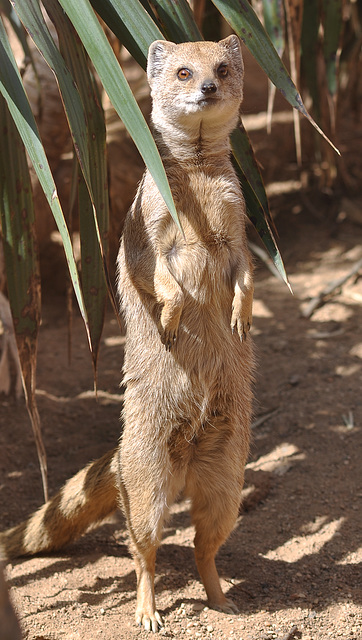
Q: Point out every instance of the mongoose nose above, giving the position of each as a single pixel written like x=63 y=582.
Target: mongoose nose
x=208 y=87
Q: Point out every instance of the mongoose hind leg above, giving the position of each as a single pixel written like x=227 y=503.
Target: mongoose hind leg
x=207 y=544
x=145 y=531
x=146 y=612
x=147 y=491
x=215 y=491
x=214 y=520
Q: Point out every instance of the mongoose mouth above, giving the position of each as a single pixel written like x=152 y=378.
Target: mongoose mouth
x=207 y=100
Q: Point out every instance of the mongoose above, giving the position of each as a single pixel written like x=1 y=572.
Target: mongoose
x=187 y=303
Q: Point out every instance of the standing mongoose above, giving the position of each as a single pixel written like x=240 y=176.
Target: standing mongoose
x=186 y=297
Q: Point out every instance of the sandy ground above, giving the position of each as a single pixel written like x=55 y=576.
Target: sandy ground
x=293 y=561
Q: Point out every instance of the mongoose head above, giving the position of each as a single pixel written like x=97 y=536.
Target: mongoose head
x=195 y=82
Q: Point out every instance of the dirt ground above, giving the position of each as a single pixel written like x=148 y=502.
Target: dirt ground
x=293 y=563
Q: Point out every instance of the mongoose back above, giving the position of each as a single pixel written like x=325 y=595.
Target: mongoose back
x=187 y=302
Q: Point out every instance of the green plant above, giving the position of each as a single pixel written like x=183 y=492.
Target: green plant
x=136 y=24
x=311 y=33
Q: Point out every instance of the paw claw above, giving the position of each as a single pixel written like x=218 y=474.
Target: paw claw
x=241 y=313
x=228 y=606
x=168 y=339
x=152 y=622
x=243 y=327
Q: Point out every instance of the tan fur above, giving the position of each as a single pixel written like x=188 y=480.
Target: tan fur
x=187 y=407
x=187 y=301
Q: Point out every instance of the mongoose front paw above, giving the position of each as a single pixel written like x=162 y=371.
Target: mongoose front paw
x=241 y=321
x=169 y=324
x=168 y=338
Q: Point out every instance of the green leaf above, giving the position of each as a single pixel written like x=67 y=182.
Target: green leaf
x=177 y=20
x=8 y=11
x=255 y=198
x=117 y=88
x=132 y=25
x=93 y=255
x=244 y=155
x=273 y=12
x=21 y=262
x=261 y=225
x=12 y=89
x=93 y=282
x=93 y=199
x=332 y=20
x=32 y=18
x=309 y=51
x=243 y=19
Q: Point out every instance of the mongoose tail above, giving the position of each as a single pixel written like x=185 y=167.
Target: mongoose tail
x=86 y=499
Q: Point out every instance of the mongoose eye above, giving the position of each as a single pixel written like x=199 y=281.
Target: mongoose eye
x=223 y=71
x=184 y=74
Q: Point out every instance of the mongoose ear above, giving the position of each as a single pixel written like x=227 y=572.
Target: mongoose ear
x=157 y=54
x=232 y=44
